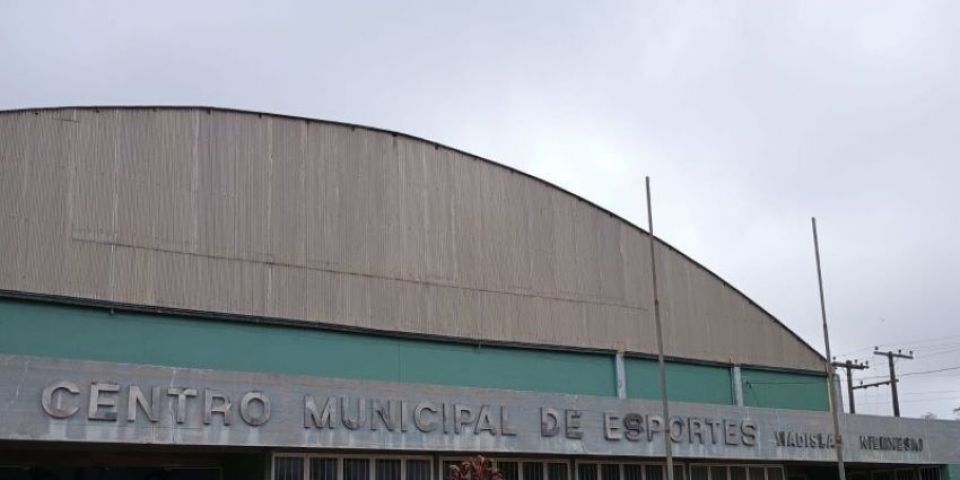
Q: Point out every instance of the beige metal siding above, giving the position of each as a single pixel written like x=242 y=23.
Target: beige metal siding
x=281 y=217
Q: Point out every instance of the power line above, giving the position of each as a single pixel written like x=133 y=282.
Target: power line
x=927 y=372
x=915 y=400
x=938 y=345
x=916 y=344
x=931 y=392
x=919 y=372
x=941 y=352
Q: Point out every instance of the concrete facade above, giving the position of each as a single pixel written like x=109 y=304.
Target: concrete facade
x=54 y=400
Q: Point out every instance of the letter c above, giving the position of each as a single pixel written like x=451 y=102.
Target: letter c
x=50 y=401
x=424 y=424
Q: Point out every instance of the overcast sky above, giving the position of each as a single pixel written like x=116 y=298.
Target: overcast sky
x=749 y=116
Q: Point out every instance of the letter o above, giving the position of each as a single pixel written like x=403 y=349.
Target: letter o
x=676 y=434
x=245 y=414
x=53 y=408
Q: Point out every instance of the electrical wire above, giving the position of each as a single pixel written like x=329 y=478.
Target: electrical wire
x=912 y=400
x=929 y=392
x=916 y=344
x=928 y=372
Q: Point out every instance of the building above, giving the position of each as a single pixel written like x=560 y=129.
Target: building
x=195 y=293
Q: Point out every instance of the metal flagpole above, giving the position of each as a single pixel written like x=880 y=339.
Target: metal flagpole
x=667 y=442
x=831 y=389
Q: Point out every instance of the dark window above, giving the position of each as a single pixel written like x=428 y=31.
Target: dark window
x=356 y=469
x=632 y=472
x=418 y=470
x=609 y=471
x=586 y=471
x=532 y=471
x=655 y=472
x=718 y=473
x=557 y=471
x=774 y=473
x=288 y=468
x=738 y=473
x=756 y=473
x=930 y=473
x=699 y=472
x=387 y=469
x=678 y=472
x=509 y=470
x=323 y=469
x=906 y=475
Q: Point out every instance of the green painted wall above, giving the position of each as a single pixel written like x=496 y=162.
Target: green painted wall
x=56 y=330
x=685 y=382
x=30 y=328
x=951 y=472
x=514 y=369
x=796 y=391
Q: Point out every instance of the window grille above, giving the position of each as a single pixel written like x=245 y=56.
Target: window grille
x=351 y=467
x=288 y=468
x=323 y=469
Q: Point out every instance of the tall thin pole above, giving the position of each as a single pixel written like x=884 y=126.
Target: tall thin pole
x=667 y=442
x=831 y=390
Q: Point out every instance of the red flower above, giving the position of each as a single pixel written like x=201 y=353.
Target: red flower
x=476 y=468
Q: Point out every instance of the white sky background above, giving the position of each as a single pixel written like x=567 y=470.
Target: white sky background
x=749 y=116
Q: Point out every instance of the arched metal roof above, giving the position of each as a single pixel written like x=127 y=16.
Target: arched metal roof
x=295 y=219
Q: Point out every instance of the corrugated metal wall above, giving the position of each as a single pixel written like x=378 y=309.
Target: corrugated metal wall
x=272 y=216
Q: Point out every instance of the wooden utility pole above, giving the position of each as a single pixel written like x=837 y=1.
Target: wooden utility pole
x=891 y=355
x=850 y=366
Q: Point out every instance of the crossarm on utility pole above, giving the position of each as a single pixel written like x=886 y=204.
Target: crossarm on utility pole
x=868 y=385
x=850 y=366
